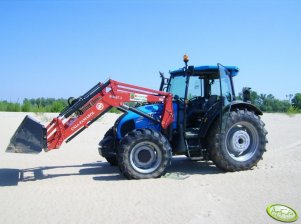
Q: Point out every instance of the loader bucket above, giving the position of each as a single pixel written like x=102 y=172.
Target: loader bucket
x=30 y=137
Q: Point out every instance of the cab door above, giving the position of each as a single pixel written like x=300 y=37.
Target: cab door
x=226 y=92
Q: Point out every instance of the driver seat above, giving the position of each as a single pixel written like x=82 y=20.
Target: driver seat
x=198 y=111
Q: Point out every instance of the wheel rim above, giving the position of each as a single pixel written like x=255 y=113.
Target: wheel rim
x=145 y=157
x=242 y=141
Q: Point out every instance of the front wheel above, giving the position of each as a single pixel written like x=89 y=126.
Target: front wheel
x=107 y=147
x=242 y=143
x=143 y=154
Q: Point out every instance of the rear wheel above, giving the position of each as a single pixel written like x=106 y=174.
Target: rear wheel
x=242 y=143
x=144 y=153
x=107 y=147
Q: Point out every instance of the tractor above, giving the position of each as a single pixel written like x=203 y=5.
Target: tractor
x=194 y=113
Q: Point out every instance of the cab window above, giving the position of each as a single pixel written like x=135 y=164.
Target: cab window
x=195 y=88
x=177 y=86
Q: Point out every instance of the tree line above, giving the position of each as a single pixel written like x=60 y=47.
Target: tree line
x=266 y=102
x=38 y=105
x=35 y=105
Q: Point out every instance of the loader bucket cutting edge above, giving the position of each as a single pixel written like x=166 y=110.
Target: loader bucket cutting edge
x=30 y=137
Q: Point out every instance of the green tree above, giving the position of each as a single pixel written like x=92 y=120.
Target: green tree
x=13 y=107
x=3 y=105
x=296 y=101
x=57 y=106
x=254 y=97
x=268 y=102
x=26 y=106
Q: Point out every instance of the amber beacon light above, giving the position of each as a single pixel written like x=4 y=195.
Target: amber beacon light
x=185 y=58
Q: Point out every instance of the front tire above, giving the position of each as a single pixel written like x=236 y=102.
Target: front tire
x=143 y=154
x=107 y=147
x=242 y=143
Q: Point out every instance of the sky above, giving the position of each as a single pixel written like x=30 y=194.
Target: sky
x=63 y=48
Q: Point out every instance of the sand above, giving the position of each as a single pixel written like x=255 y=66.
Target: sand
x=75 y=185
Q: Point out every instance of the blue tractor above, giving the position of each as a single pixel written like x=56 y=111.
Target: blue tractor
x=210 y=123
x=194 y=113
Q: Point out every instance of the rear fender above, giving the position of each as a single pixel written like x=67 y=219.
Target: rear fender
x=214 y=112
x=240 y=105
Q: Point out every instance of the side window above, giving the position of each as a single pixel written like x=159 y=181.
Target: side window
x=215 y=88
x=195 y=88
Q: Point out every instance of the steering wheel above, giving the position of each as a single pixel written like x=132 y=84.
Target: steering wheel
x=179 y=99
x=195 y=99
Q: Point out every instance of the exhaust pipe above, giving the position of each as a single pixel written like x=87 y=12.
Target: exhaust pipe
x=29 y=138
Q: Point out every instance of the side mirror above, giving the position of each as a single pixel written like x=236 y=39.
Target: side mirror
x=246 y=94
x=161 y=75
x=164 y=82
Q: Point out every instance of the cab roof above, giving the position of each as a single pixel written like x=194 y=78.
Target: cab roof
x=205 y=70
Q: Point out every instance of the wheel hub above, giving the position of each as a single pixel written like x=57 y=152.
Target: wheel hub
x=240 y=141
x=145 y=157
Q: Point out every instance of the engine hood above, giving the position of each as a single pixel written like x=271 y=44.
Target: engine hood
x=131 y=120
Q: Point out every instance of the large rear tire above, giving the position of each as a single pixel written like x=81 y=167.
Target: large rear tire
x=242 y=143
x=107 y=147
x=143 y=154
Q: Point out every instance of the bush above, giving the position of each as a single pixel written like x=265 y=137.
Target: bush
x=3 y=105
x=11 y=107
x=26 y=107
x=115 y=110
x=293 y=110
x=57 y=106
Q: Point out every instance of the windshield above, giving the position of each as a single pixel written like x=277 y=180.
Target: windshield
x=177 y=86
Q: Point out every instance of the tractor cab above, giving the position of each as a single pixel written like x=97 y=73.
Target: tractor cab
x=200 y=96
x=198 y=89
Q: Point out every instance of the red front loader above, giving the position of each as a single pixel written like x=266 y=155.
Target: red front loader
x=32 y=137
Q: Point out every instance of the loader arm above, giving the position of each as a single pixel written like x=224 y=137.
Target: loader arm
x=83 y=112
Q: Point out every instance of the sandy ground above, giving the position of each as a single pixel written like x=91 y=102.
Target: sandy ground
x=75 y=185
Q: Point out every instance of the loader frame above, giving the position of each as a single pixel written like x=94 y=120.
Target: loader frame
x=96 y=102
